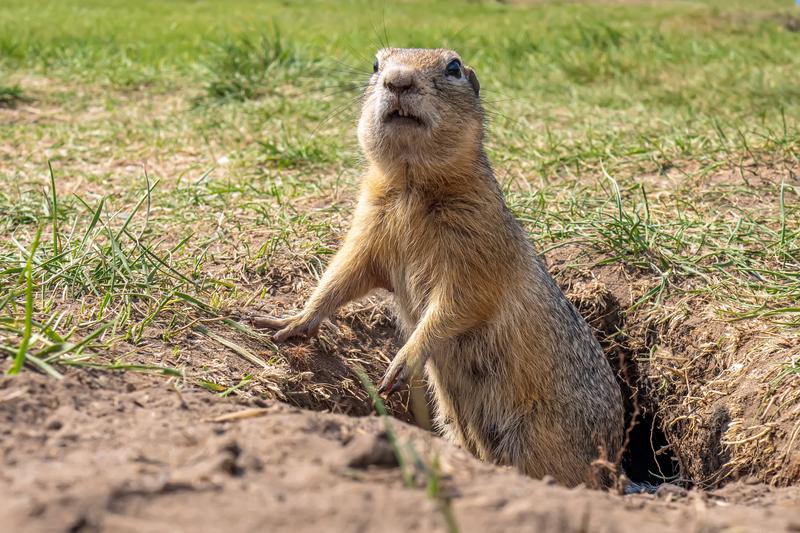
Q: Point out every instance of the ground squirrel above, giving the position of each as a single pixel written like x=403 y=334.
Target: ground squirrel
x=517 y=375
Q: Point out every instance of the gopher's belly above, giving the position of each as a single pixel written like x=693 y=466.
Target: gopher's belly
x=477 y=404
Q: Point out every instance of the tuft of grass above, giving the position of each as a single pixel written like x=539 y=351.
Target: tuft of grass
x=747 y=262
x=250 y=67
x=10 y=96
x=103 y=280
x=293 y=153
x=23 y=209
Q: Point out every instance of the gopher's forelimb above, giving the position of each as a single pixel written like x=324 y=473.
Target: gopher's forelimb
x=354 y=272
x=349 y=276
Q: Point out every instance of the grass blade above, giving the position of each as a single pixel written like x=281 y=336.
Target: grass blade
x=242 y=352
x=19 y=360
x=54 y=214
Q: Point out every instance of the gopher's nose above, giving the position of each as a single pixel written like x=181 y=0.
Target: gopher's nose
x=399 y=80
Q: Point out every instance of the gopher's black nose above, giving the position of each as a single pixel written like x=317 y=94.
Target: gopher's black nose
x=399 y=80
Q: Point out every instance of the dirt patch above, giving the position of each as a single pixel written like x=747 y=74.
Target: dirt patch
x=125 y=452
x=323 y=369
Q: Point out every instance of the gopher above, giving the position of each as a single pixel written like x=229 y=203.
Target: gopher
x=516 y=373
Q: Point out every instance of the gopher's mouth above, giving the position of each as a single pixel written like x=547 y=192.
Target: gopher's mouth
x=400 y=116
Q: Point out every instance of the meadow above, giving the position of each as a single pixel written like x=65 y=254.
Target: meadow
x=169 y=169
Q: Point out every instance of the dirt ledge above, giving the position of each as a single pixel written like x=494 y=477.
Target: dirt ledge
x=127 y=452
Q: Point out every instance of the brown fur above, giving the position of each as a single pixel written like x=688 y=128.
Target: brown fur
x=516 y=373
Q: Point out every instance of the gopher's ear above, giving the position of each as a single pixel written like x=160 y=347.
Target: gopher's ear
x=472 y=78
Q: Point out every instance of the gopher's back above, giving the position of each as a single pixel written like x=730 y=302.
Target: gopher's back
x=532 y=385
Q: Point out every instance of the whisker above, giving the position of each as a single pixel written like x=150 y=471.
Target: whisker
x=333 y=114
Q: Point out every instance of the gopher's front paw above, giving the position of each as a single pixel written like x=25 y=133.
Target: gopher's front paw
x=294 y=326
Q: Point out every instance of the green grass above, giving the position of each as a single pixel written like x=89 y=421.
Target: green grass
x=10 y=96
x=253 y=67
x=183 y=153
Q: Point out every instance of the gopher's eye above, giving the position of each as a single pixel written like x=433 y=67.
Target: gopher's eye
x=453 y=68
x=375 y=65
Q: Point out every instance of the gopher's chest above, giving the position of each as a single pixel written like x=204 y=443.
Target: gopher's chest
x=409 y=254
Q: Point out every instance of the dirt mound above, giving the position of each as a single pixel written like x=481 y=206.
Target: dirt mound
x=126 y=452
x=718 y=399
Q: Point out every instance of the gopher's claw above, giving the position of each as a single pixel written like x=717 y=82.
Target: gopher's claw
x=289 y=327
x=268 y=322
x=391 y=383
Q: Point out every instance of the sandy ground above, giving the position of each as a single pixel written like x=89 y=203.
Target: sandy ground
x=130 y=452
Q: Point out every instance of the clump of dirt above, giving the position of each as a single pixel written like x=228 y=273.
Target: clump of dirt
x=128 y=452
x=733 y=412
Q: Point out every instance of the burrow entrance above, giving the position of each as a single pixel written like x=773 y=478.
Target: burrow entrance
x=648 y=458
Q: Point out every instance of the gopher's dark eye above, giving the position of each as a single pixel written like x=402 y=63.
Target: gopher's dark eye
x=375 y=65
x=453 y=68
